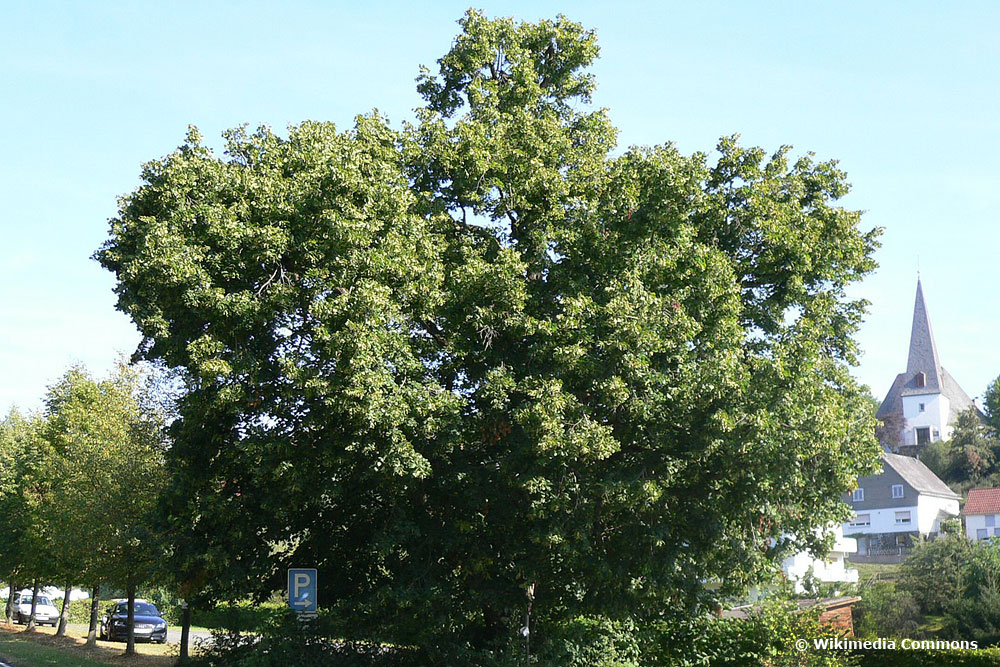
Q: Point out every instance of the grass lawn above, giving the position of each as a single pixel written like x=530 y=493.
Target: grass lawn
x=42 y=647
x=885 y=571
x=932 y=625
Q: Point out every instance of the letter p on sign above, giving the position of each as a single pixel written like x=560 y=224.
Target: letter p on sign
x=302 y=589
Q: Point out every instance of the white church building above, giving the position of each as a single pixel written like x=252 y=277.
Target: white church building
x=925 y=400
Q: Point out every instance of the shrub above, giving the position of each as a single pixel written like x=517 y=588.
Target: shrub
x=594 y=642
x=886 y=610
x=929 y=658
x=283 y=640
x=767 y=637
x=240 y=616
x=977 y=615
x=79 y=611
x=935 y=573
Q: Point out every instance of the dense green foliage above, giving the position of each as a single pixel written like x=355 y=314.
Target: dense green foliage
x=991 y=401
x=767 y=637
x=929 y=658
x=951 y=581
x=80 y=484
x=21 y=449
x=448 y=362
x=887 y=609
x=936 y=573
x=970 y=458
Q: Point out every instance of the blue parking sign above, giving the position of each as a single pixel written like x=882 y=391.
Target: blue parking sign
x=302 y=588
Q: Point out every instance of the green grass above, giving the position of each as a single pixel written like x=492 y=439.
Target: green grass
x=932 y=625
x=19 y=651
x=885 y=571
x=24 y=649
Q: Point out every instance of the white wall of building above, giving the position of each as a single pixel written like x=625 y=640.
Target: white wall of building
x=923 y=517
x=976 y=522
x=884 y=521
x=831 y=569
x=931 y=508
x=934 y=415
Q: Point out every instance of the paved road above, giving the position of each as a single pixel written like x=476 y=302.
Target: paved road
x=173 y=634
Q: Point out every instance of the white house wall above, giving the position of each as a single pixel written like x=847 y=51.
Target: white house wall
x=884 y=521
x=935 y=415
x=829 y=570
x=931 y=508
x=975 y=522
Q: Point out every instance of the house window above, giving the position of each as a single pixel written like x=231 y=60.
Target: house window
x=991 y=520
x=897 y=490
x=859 y=495
x=921 y=407
x=923 y=435
x=996 y=532
x=865 y=520
x=902 y=517
x=980 y=533
x=921 y=379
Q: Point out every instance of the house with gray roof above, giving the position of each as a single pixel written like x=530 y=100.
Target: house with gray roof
x=923 y=402
x=904 y=502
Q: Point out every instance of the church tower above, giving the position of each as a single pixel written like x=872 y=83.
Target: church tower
x=924 y=402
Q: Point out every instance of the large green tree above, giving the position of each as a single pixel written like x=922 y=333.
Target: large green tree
x=482 y=352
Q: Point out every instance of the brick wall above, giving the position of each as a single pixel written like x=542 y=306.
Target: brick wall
x=839 y=617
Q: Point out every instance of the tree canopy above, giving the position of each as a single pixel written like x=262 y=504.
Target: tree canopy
x=483 y=351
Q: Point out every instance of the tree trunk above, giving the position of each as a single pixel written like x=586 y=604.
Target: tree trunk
x=130 y=646
x=64 y=616
x=94 y=604
x=34 y=607
x=185 y=629
x=10 y=603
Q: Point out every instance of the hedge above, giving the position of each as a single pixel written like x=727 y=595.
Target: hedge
x=985 y=657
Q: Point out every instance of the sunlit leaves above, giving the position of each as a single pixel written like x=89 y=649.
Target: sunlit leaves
x=482 y=351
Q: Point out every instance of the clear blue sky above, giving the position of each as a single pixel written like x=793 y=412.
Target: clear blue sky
x=905 y=95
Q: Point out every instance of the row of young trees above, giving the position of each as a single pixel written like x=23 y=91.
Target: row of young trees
x=80 y=485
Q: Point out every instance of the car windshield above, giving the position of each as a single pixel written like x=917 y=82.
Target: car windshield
x=41 y=600
x=141 y=609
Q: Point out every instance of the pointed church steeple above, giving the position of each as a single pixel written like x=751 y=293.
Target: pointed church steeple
x=924 y=402
x=923 y=369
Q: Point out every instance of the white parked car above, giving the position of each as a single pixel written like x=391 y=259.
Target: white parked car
x=45 y=612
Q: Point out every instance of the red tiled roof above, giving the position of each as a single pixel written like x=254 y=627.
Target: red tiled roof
x=982 y=501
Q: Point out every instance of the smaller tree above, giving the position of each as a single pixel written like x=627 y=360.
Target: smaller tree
x=992 y=401
x=935 y=573
x=937 y=456
x=886 y=609
x=974 y=609
x=17 y=440
x=973 y=448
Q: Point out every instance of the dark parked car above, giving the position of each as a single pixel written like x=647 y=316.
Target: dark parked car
x=149 y=625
